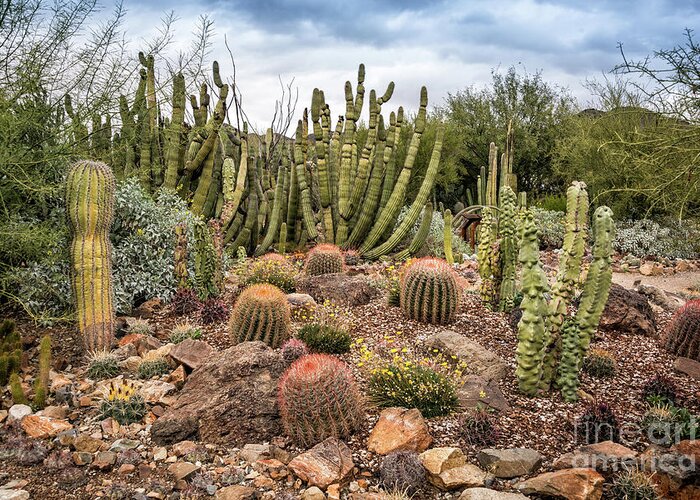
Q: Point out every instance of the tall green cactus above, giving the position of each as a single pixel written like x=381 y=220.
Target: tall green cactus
x=89 y=205
x=447 y=236
x=421 y=235
x=508 y=248
x=10 y=351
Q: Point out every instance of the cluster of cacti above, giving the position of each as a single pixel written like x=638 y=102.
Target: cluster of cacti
x=330 y=184
x=41 y=381
x=183 y=331
x=10 y=351
x=208 y=261
x=402 y=471
x=319 y=398
x=261 y=313
x=551 y=344
x=683 y=335
x=324 y=259
x=123 y=403
x=429 y=291
x=89 y=205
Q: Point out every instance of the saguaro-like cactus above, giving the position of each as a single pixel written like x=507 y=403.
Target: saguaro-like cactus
x=429 y=291
x=261 y=313
x=318 y=398
x=324 y=259
x=89 y=204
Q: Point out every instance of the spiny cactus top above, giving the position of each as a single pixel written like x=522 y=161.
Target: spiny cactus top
x=261 y=313
x=324 y=259
x=683 y=337
x=429 y=291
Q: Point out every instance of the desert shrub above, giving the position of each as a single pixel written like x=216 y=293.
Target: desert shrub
x=645 y=237
x=213 y=311
x=123 y=403
x=599 y=363
x=102 y=365
x=479 y=427
x=325 y=338
x=185 y=301
x=633 y=484
x=597 y=423
x=153 y=368
x=275 y=271
x=550 y=227
x=141 y=327
x=184 y=331
x=660 y=389
x=402 y=471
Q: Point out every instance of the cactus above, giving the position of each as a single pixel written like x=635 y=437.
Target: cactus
x=683 y=335
x=324 y=259
x=447 y=236
x=402 y=471
x=123 y=403
x=532 y=331
x=89 y=204
x=261 y=313
x=282 y=244
x=421 y=235
x=17 y=391
x=429 y=291
x=508 y=248
x=180 y=256
x=41 y=383
x=570 y=362
x=293 y=349
x=318 y=398
x=207 y=265
x=10 y=351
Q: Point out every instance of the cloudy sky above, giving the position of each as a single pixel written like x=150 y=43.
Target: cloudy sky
x=445 y=45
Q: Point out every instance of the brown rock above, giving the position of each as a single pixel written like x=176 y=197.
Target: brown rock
x=448 y=469
x=126 y=469
x=184 y=448
x=156 y=391
x=689 y=448
x=399 y=429
x=85 y=401
x=236 y=493
x=146 y=344
x=688 y=366
x=509 y=463
x=86 y=443
x=326 y=463
x=39 y=427
x=81 y=458
x=487 y=494
x=628 y=311
x=333 y=492
x=479 y=360
x=216 y=401
x=651 y=269
x=301 y=301
x=131 y=338
x=339 y=289
x=476 y=391
x=104 y=460
x=192 y=353
x=252 y=452
x=58 y=412
x=571 y=484
x=182 y=470
x=178 y=377
x=148 y=309
x=605 y=457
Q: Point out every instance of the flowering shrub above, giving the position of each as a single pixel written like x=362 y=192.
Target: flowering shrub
x=645 y=237
x=275 y=271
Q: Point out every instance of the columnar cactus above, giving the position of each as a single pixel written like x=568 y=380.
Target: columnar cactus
x=683 y=337
x=324 y=259
x=508 y=248
x=261 y=313
x=570 y=362
x=319 y=398
x=447 y=236
x=429 y=291
x=89 y=204
x=532 y=331
x=10 y=351
x=421 y=235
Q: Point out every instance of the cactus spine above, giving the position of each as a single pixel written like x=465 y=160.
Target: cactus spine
x=261 y=313
x=429 y=291
x=89 y=203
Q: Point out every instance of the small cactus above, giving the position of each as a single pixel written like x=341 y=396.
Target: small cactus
x=683 y=337
x=318 y=398
x=294 y=349
x=150 y=368
x=402 y=471
x=41 y=383
x=123 y=403
x=102 y=365
x=10 y=351
x=261 y=313
x=324 y=259
x=352 y=257
x=429 y=291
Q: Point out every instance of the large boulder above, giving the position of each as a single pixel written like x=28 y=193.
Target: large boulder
x=511 y=462
x=478 y=360
x=339 y=288
x=230 y=400
x=399 y=429
x=628 y=311
x=571 y=484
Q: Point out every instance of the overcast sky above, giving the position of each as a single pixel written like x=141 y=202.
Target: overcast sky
x=445 y=45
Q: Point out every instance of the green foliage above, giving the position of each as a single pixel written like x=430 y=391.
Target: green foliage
x=665 y=424
x=660 y=389
x=273 y=269
x=599 y=363
x=102 y=365
x=633 y=484
x=643 y=238
x=550 y=227
x=183 y=331
x=10 y=350
x=411 y=385
x=318 y=398
x=479 y=427
x=17 y=391
x=261 y=313
x=325 y=338
x=551 y=203
x=153 y=368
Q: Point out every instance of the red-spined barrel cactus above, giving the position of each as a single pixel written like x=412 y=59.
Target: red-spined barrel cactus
x=318 y=398
x=261 y=313
x=429 y=291
x=324 y=259
x=683 y=337
x=90 y=206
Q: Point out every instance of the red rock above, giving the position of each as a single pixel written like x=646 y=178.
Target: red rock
x=40 y=427
x=605 y=457
x=688 y=366
x=571 y=484
x=132 y=338
x=399 y=429
x=326 y=463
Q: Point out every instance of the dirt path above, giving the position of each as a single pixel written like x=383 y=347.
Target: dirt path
x=674 y=283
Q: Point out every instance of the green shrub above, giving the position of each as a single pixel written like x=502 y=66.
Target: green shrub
x=551 y=203
x=645 y=237
x=664 y=424
x=660 y=390
x=325 y=338
x=599 y=363
x=550 y=227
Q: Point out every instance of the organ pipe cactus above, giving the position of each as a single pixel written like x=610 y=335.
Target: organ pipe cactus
x=429 y=291
x=261 y=313
x=447 y=236
x=89 y=205
x=421 y=235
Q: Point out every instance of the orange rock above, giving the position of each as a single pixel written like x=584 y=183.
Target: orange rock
x=399 y=429
x=40 y=427
x=572 y=484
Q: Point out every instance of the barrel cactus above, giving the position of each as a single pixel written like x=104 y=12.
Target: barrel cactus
x=429 y=291
x=318 y=398
x=324 y=259
x=402 y=471
x=261 y=313
x=89 y=204
x=683 y=337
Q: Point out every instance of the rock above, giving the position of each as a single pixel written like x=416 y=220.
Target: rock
x=81 y=458
x=605 y=456
x=126 y=469
x=688 y=366
x=14 y=494
x=339 y=288
x=182 y=470
x=487 y=494
x=313 y=493
x=251 y=453
x=657 y=296
x=178 y=377
x=123 y=445
x=155 y=391
x=301 y=301
x=192 y=353
x=333 y=492
x=18 y=412
x=148 y=309
x=53 y=412
x=127 y=350
x=448 y=469
x=160 y=454
x=628 y=312
x=651 y=269
x=571 y=484
x=326 y=463
x=104 y=460
x=3 y=415
x=87 y=443
x=512 y=462
x=147 y=343
x=476 y=391
x=184 y=448
x=39 y=427
x=216 y=401
x=236 y=493
x=689 y=448
x=399 y=429
x=479 y=360
x=131 y=364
